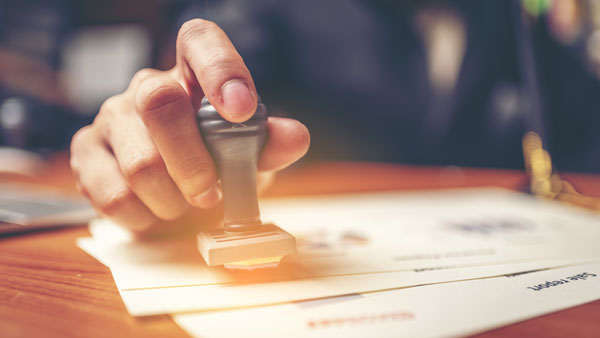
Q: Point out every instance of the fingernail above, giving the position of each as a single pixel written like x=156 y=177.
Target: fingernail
x=208 y=199
x=238 y=99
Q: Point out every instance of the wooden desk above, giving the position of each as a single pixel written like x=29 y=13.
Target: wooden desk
x=51 y=288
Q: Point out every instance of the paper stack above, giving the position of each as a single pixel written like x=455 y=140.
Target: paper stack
x=416 y=264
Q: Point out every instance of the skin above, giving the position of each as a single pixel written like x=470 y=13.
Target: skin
x=142 y=162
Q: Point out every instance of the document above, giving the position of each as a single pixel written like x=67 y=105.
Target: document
x=447 y=309
x=355 y=244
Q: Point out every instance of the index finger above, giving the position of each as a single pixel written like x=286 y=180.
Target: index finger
x=207 y=58
x=169 y=117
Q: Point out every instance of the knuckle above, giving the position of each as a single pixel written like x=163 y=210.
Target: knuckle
x=220 y=62
x=111 y=204
x=74 y=165
x=196 y=174
x=155 y=95
x=196 y=27
x=142 y=166
x=143 y=74
x=174 y=213
x=80 y=139
x=111 y=113
x=112 y=104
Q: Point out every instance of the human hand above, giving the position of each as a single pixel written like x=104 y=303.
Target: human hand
x=143 y=160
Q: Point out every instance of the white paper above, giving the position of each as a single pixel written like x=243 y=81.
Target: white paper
x=356 y=243
x=449 y=309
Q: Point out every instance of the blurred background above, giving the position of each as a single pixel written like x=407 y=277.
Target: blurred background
x=416 y=82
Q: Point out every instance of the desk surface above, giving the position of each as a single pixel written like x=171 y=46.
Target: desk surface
x=51 y=288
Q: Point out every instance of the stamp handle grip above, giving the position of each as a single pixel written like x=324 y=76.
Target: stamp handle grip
x=235 y=148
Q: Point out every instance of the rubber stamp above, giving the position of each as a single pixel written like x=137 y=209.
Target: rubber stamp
x=243 y=242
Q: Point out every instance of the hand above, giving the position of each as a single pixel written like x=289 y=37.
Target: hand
x=142 y=160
